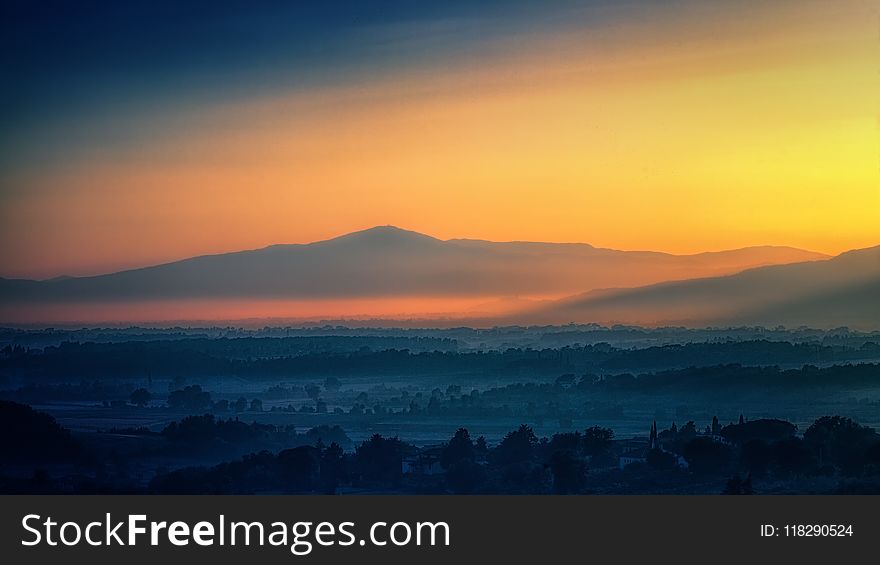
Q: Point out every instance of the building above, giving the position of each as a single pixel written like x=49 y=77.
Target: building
x=634 y=456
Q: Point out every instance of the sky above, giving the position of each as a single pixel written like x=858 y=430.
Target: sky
x=135 y=133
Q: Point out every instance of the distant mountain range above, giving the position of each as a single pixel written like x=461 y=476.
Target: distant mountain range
x=842 y=291
x=387 y=261
x=514 y=282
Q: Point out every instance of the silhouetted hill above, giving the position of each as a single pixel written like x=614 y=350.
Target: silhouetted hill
x=29 y=435
x=390 y=262
x=843 y=291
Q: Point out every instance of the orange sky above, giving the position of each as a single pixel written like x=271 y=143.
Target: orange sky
x=677 y=138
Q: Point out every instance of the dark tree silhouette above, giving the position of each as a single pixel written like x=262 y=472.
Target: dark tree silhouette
x=333 y=468
x=313 y=391
x=840 y=441
x=661 y=460
x=755 y=456
x=190 y=398
x=481 y=448
x=766 y=429
x=380 y=459
x=27 y=435
x=300 y=468
x=706 y=456
x=793 y=457
x=568 y=441
x=569 y=472
x=736 y=485
x=517 y=446
x=332 y=384
x=460 y=448
x=597 y=440
x=140 y=397
x=240 y=405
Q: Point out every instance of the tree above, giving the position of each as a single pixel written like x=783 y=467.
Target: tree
x=332 y=467
x=767 y=429
x=460 y=448
x=567 y=441
x=517 y=446
x=706 y=456
x=380 y=459
x=27 y=435
x=793 y=457
x=256 y=405
x=481 y=448
x=313 y=391
x=661 y=460
x=221 y=405
x=569 y=472
x=434 y=405
x=565 y=380
x=300 y=467
x=840 y=441
x=140 y=397
x=240 y=405
x=597 y=440
x=688 y=430
x=735 y=485
x=465 y=476
x=755 y=456
x=190 y=398
x=332 y=384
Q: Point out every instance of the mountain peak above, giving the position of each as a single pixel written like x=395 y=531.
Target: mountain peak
x=386 y=234
x=386 y=229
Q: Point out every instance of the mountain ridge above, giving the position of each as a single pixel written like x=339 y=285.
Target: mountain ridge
x=386 y=263
x=391 y=234
x=842 y=290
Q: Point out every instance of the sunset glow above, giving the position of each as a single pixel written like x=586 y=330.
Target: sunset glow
x=684 y=132
x=680 y=128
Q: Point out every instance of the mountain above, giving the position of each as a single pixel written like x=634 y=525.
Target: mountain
x=842 y=291
x=387 y=261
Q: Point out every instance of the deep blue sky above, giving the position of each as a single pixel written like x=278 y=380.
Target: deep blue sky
x=60 y=56
x=101 y=70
